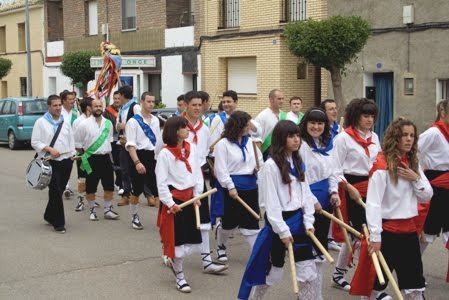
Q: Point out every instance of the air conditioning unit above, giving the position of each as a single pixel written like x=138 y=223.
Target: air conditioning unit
x=104 y=28
x=408 y=14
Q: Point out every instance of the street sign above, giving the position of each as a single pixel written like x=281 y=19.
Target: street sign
x=129 y=61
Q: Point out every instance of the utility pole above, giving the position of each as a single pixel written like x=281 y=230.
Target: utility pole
x=27 y=32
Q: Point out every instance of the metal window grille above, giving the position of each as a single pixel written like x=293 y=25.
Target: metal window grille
x=128 y=14
x=444 y=89
x=230 y=13
x=294 y=10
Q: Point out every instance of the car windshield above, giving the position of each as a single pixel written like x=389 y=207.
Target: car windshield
x=35 y=107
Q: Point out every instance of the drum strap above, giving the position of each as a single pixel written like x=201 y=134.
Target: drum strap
x=53 y=140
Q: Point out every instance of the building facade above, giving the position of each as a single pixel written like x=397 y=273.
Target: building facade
x=404 y=65
x=46 y=75
x=160 y=32
x=243 y=49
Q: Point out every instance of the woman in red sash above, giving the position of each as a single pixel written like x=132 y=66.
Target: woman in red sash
x=395 y=187
x=178 y=180
x=355 y=150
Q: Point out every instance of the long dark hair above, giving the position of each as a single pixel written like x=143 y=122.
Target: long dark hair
x=171 y=127
x=237 y=121
x=315 y=114
x=278 y=151
x=358 y=107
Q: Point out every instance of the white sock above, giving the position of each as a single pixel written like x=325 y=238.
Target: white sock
x=309 y=290
x=205 y=246
x=415 y=295
x=222 y=235
x=92 y=205
x=319 y=274
x=343 y=256
x=107 y=205
x=251 y=239
x=423 y=246
x=133 y=208
x=274 y=276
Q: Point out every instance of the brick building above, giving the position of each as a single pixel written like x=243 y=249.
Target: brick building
x=45 y=48
x=243 y=49
x=160 y=33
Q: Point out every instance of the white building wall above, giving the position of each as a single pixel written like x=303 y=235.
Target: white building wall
x=54 y=81
x=172 y=79
x=198 y=81
x=179 y=37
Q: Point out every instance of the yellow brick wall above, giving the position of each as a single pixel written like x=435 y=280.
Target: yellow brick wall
x=276 y=67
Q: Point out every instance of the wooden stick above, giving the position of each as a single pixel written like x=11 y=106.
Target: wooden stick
x=211 y=164
x=341 y=223
x=197 y=216
x=361 y=203
x=248 y=208
x=214 y=143
x=390 y=277
x=204 y=195
x=49 y=157
x=373 y=255
x=320 y=246
x=256 y=156
x=343 y=229
x=291 y=258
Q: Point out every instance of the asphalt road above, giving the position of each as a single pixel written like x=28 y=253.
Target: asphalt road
x=108 y=259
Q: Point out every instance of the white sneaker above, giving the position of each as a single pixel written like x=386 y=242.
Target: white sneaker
x=135 y=223
x=332 y=245
x=80 y=205
x=93 y=216
x=211 y=267
x=383 y=296
x=120 y=192
x=221 y=253
x=111 y=215
x=339 y=281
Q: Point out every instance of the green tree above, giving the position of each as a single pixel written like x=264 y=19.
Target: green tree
x=330 y=43
x=76 y=66
x=5 y=67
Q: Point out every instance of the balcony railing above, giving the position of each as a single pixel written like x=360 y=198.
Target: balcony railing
x=229 y=14
x=293 y=10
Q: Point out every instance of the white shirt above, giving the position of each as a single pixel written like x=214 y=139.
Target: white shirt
x=265 y=120
x=124 y=113
x=385 y=200
x=136 y=137
x=229 y=161
x=170 y=171
x=88 y=132
x=202 y=146
x=275 y=197
x=319 y=167
x=293 y=117
x=67 y=115
x=43 y=133
x=75 y=126
x=433 y=150
x=351 y=157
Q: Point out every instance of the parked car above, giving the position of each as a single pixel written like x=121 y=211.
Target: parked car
x=17 y=118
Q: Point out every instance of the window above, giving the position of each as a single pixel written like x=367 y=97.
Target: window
x=12 y=109
x=23 y=86
x=21 y=36
x=442 y=89
x=230 y=13
x=2 y=39
x=242 y=75
x=128 y=14
x=4 y=89
x=92 y=17
x=6 y=108
x=294 y=10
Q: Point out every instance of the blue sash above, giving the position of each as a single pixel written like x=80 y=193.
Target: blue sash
x=146 y=129
x=320 y=190
x=245 y=182
x=242 y=145
x=217 y=203
x=259 y=261
x=223 y=117
x=323 y=151
x=334 y=130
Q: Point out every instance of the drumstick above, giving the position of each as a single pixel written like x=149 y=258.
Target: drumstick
x=291 y=258
x=319 y=246
x=375 y=259
x=390 y=277
x=214 y=143
x=50 y=157
x=215 y=127
x=188 y=202
x=248 y=208
x=197 y=216
x=343 y=229
x=341 y=223
x=256 y=156
x=358 y=201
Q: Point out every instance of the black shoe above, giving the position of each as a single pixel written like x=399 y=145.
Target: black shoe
x=60 y=230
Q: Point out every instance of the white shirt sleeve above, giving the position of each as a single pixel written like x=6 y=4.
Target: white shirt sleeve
x=376 y=189
x=221 y=166
x=37 y=136
x=162 y=167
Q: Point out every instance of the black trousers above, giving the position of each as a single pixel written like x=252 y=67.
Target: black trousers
x=101 y=170
x=321 y=226
x=125 y=168
x=235 y=215
x=54 y=212
x=185 y=226
x=402 y=254
x=437 y=219
x=116 y=163
x=146 y=157
x=356 y=213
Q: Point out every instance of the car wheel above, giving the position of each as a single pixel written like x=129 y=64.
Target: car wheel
x=12 y=141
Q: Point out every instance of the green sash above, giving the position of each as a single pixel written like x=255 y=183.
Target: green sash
x=301 y=114
x=85 y=166
x=267 y=142
x=74 y=115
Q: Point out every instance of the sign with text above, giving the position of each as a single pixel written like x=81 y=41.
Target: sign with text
x=127 y=61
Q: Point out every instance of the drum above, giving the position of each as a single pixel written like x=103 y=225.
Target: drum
x=38 y=174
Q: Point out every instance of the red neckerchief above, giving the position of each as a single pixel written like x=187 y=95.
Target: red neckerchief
x=112 y=111
x=362 y=142
x=177 y=153
x=194 y=130
x=444 y=129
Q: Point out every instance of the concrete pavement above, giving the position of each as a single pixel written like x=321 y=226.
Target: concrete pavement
x=108 y=259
